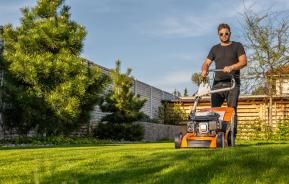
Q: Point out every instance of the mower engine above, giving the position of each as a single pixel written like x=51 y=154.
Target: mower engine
x=204 y=123
x=210 y=127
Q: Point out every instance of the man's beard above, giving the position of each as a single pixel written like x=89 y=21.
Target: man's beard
x=227 y=41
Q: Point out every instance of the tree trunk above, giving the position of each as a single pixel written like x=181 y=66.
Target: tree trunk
x=270 y=112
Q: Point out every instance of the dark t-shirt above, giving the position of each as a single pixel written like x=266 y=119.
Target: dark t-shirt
x=226 y=56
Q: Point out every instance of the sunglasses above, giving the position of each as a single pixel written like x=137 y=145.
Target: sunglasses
x=222 y=34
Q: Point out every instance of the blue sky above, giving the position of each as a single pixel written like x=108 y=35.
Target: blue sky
x=163 y=41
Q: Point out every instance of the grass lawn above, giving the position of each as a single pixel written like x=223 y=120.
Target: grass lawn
x=146 y=163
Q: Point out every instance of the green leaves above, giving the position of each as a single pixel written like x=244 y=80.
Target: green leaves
x=121 y=101
x=42 y=56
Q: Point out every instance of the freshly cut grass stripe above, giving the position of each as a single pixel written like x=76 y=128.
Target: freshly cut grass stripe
x=249 y=162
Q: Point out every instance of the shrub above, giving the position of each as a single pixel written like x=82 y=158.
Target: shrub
x=283 y=130
x=54 y=140
x=257 y=126
x=119 y=131
x=171 y=113
x=121 y=102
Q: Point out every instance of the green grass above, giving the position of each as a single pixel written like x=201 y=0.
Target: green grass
x=146 y=163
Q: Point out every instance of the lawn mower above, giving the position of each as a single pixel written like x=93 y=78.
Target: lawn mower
x=209 y=127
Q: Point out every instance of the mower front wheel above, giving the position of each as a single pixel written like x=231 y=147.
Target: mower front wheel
x=220 y=140
x=178 y=140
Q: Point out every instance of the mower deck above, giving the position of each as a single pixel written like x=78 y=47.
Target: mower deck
x=220 y=138
x=192 y=141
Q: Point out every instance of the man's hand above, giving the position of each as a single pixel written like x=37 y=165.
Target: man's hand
x=228 y=69
x=242 y=62
x=205 y=67
x=204 y=74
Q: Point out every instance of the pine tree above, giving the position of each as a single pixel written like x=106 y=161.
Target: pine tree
x=49 y=84
x=185 y=92
x=177 y=93
x=121 y=101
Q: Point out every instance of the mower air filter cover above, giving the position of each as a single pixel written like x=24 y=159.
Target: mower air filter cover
x=190 y=126
x=205 y=116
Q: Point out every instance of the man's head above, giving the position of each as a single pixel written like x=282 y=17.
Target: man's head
x=224 y=32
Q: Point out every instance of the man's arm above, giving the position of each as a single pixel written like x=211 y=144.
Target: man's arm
x=242 y=62
x=205 y=67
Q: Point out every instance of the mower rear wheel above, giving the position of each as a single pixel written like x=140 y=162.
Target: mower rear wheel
x=231 y=139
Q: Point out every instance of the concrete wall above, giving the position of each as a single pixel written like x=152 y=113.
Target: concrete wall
x=152 y=132
x=156 y=132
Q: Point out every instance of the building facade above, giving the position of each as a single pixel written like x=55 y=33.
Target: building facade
x=154 y=97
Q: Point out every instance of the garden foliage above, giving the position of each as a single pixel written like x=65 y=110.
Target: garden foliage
x=124 y=108
x=48 y=86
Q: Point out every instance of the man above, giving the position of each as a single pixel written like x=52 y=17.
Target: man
x=231 y=57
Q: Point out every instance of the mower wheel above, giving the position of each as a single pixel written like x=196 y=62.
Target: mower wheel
x=220 y=140
x=231 y=138
x=178 y=140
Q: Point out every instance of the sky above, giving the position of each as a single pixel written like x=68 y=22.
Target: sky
x=163 y=41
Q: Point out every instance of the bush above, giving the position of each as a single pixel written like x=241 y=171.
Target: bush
x=53 y=140
x=258 y=130
x=283 y=130
x=257 y=127
x=171 y=113
x=120 y=131
x=120 y=102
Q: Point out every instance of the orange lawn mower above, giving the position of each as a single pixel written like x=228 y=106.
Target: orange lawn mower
x=209 y=127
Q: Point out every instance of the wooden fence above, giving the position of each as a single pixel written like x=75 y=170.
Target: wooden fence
x=252 y=113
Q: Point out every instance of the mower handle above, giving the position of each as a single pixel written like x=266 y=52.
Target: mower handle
x=212 y=70
x=225 y=89
x=199 y=96
x=216 y=70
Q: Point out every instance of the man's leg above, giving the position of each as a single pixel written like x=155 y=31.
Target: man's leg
x=232 y=101
x=217 y=99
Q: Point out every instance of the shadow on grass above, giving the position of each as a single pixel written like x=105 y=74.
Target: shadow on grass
x=266 y=143
x=31 y=146
x=55 y=146
x=236 y=165
x=155 y=163
x=260 y=143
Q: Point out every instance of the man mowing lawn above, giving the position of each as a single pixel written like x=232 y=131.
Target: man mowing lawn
x=231 y=57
